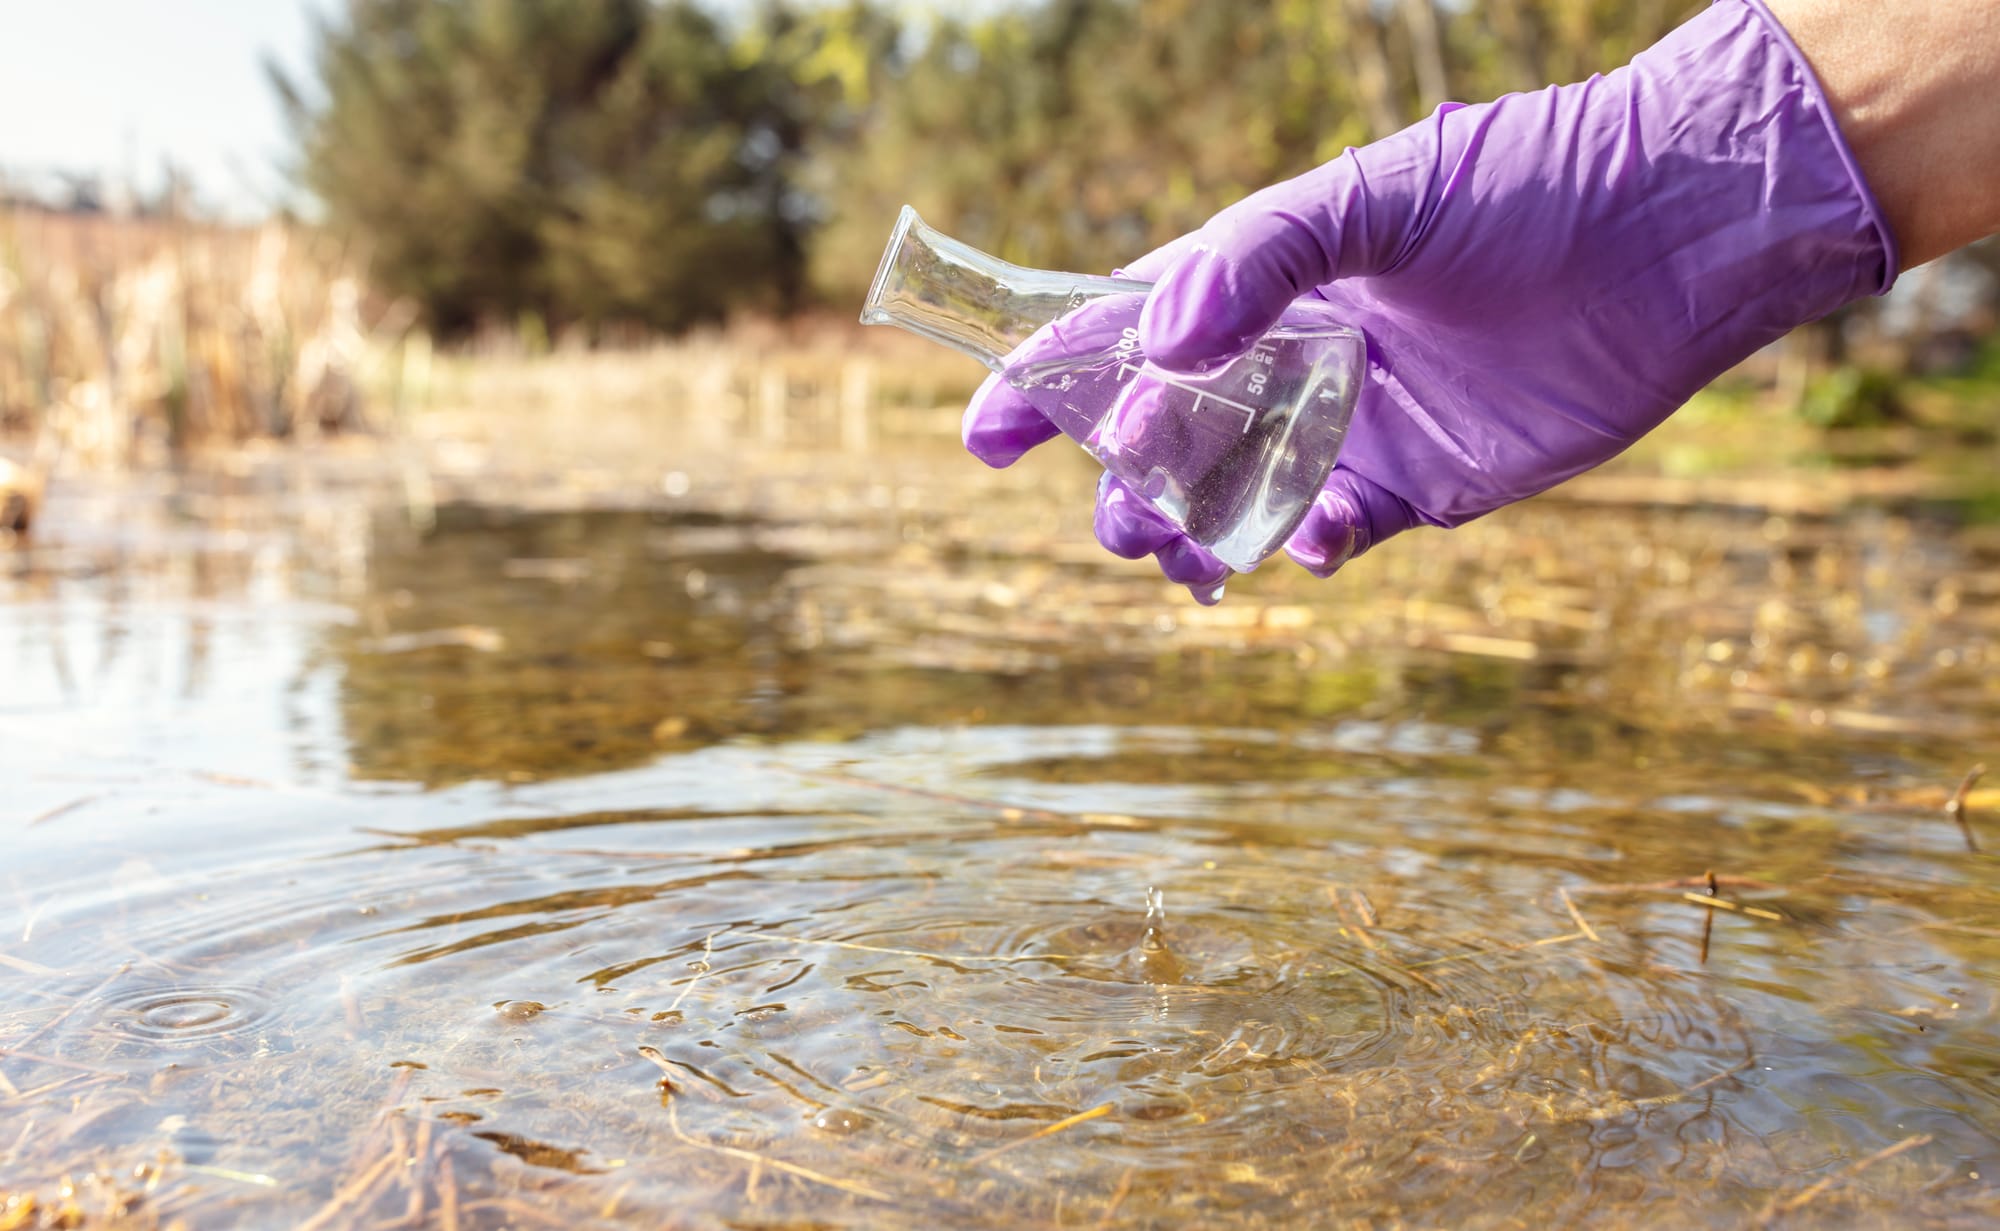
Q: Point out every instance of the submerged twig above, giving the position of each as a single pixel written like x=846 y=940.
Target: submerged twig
x=1409 y=970
x=701 y=968
x=947 y=958
x=1582 y=924
x=520 y=1209
x=61 y=809
x=1625 y=1105
x=16 y=1045
x=1351 y=922
x=447 y=1193
x=751 y=1156
x=1006 y=812
x=418 y=1173
x=27 y=1131
x=256 y=1178
x=75 y=1081
x=1955 y=808
x=1685 y=882
x=58 y=1062
x=26 y=967
x=1755 y=912
x=1820 y=1185
x=1102 y=1109
x=1965 y=929
x=1565 y=938
x=662 y=1060
x=1117 y=1198
x=666 y=1067
x=1708 y=919
x=1501 y=948
x=351 y=1192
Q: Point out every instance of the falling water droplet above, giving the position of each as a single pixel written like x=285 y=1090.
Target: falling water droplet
x=1158 y=963
x=1156 y=919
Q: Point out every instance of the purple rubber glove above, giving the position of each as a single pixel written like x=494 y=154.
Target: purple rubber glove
x=1543 y=279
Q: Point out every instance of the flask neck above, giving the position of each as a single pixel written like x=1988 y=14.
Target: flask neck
x=952 y=293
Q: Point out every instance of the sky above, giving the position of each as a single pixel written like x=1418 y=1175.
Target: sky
x=116 y=87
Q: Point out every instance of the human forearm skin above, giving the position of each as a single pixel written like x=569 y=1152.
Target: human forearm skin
x=1915 y=88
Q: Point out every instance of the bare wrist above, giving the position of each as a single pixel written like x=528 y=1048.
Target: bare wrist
x=1915 y=88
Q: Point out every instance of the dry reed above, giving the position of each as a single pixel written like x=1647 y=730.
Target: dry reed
x=120 y=337
x=123 y=340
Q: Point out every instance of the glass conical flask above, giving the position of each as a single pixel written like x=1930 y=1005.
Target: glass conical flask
x=1232 y=456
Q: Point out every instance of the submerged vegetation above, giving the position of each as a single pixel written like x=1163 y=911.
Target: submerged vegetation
x=800 y=836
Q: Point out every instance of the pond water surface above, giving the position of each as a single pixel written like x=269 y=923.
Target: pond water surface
x=784 y=859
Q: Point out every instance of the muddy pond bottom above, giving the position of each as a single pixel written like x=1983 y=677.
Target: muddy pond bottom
x=581 y=869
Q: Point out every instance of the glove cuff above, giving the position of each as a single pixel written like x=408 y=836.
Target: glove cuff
x=1823 y=110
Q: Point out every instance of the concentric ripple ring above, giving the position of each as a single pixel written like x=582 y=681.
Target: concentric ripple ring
x=185 y=1013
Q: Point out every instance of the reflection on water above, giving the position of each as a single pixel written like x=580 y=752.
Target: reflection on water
x=652 y=865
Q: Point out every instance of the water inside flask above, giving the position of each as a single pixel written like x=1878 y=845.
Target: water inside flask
x=1233 y=456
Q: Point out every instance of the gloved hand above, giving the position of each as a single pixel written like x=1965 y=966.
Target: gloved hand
x=1542 y=279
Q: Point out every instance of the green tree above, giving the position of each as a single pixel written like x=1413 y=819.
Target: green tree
x=1081 y=133
x=589 y=163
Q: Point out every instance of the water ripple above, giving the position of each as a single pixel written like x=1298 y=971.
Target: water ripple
x=186 y=1013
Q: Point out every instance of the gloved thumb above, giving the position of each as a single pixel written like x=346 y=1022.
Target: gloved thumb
x=1350 y=515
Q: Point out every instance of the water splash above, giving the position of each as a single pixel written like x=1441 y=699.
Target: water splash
x=1156 y=919
x=1157 y=960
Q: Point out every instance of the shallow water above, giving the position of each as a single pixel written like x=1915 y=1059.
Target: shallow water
x=786 y=860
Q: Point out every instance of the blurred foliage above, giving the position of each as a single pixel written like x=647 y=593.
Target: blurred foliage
x=1082 y=133
x=655 y=164
x=1853 y=397
x=619 y=161
x=660 y=163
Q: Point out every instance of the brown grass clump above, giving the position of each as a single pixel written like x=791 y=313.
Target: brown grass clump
x=121 y=336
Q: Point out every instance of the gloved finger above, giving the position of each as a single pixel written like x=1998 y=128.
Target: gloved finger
x=1350 y=515
x=1126 y=524
x=1044 y=392
x=1148 y=268
x=1213 y=303
x=1184 y=561
x=1129 y=527
x=1226 y=287
x=1000 y=425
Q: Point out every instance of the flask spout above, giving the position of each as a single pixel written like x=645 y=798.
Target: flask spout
x=952 y=293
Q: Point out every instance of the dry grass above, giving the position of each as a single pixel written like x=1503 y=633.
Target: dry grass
x=123 y=340
x=826 y=385
x=121 y=337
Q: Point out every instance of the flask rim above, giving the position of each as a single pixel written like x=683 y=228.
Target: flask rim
x=872 y=311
